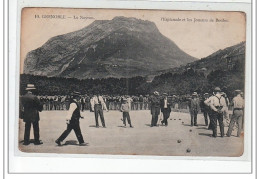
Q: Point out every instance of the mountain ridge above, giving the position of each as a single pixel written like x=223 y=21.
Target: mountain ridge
x=121 y=47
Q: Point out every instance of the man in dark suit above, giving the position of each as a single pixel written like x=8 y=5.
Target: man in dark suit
x=155 y=108
x=194 y=106
x=165 y=109
x=31 y=107
x=204 y=108
x=72 y=120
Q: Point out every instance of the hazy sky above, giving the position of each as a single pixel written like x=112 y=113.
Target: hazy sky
x=198 y=39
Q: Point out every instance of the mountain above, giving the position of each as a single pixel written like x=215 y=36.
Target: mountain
x=121 y=47
x=201 y=76
x=216 y=61
x=224 y=68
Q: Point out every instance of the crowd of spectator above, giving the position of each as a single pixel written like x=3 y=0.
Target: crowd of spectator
x=113 y=102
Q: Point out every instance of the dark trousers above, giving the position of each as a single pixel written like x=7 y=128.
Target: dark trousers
x=154 y=120
x=166 y=115
x=27 y=130
x=217 y=118
x=51 y=106
x=193 y=115
x=82 y=106
x=205 y=113
x=76 y=129
x=55 y=106
x=135 y=106
x=47 y=106
x=132 y=106
x=87 y=105
x=141 y=105
x=145 y=105
x=126 y=116
x=99 y=111
x=210 y=121
x=67 y=104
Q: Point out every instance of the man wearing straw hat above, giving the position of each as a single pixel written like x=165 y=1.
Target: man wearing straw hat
x=72 y=121
x=237 y=117
x=155 y=108
x=31 y=108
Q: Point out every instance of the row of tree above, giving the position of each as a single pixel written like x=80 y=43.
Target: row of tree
x=171 y=83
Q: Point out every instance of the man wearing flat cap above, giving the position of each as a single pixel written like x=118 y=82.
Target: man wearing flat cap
x=217 y=104
x=165 y=109
x=155 y=108
x=31 y=106
x=72 y=120
x=237 y=117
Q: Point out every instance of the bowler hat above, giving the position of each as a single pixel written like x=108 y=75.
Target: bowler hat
x=217 y=89
x=30 y=87
x=75 y=94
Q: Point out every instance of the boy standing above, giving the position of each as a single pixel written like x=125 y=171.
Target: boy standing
x=125 y=108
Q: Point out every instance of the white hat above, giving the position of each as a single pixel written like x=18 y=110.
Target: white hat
x=30 y=87
x=194 y=94
x=156 y=93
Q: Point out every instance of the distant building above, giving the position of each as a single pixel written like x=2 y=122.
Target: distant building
x=149 y=78
x=235 y=61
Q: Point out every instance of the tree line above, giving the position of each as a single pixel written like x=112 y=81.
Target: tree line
x=172 y=83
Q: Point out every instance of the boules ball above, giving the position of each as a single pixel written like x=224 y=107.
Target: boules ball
x=188 y=150
x=182 y=122
x=174 y=119
x=170 y=119
x=179 y=119
x=190 y=130
x=179 y=141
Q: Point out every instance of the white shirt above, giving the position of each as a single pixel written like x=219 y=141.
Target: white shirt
x=72 y=108
x=165 y=103
x=238 y=102
x=215 y=101
x=94 y=101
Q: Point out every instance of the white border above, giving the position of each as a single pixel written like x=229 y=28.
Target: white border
x=97 y=163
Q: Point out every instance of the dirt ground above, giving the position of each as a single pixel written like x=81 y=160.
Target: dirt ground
x=140 y=140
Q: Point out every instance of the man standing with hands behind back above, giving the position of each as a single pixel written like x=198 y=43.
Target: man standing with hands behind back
x=217 y=102
x=31 y=107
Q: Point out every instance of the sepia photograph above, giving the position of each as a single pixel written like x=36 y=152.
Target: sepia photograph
x=132 y=82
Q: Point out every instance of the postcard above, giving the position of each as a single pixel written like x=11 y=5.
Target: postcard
x=132 y=82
